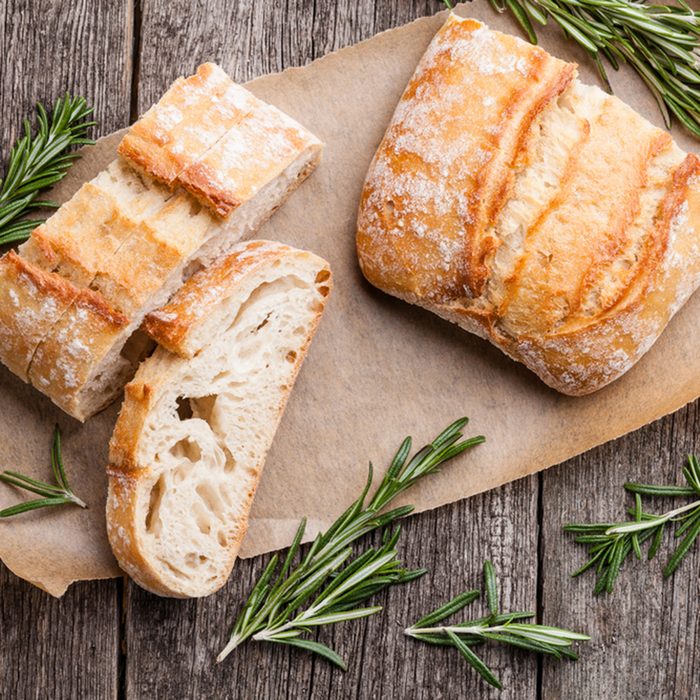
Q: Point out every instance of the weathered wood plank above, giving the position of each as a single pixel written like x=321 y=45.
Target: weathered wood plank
x=66 y=648
x=646 y=634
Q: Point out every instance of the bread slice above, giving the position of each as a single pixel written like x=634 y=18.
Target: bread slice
x=531 y=209
x=160 y=253
x=225 y=158
x=223 y=179
x=190 y=118
x=200 y=415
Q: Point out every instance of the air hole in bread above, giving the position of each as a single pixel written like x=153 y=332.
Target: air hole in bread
x=173 y=570
x=137 y=348
x=267 y=289
x=202 y=518
x=324 y=291
x=230 y=463
x=194 y=560
x=192 y=267
x=211 y=499
x=225 y=494
x=322 y=276
x=188 y=449
x=184 y=408
x=263 y=323
x=153 y=523
x=222 y=539
x=181 y=473
x=203 y=407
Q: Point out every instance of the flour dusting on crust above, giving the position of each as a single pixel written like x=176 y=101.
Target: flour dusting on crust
x=530 y=209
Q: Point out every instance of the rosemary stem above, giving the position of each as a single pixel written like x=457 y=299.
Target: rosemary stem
x=638 y=526
x=78 y=501
x=232 y=644
x=478 y=630
x=266 y=634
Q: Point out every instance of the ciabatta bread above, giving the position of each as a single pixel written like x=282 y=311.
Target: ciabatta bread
x=200 y=170
x=530 y=209
x=200 y=415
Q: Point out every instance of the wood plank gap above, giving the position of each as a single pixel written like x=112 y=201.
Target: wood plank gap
x=540 y=575
x=137 y=20
x=122 y=647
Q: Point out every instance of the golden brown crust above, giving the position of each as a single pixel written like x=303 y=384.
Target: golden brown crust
x=170 y=325
x=65 y=359
x=138 y=401
x=433 y=138
x=192 y=115
x=574 y=275
x=215 y=139
x=250 y=155
x=31 y=301
x=78 y=238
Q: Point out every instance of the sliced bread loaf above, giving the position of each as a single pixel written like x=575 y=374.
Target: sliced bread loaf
x=199 y=417
x=127 y=240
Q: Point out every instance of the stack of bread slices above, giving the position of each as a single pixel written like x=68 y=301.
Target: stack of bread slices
x=85 y=299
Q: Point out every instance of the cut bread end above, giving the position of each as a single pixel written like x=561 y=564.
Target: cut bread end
x=140 y=279
x=190 y=442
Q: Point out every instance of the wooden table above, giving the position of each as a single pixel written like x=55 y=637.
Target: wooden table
x=111 y=639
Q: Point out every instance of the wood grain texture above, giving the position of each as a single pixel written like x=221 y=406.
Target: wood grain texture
x=65 y=648
x=646 y=635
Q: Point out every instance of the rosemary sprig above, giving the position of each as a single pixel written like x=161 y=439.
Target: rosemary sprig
x=52 y=495
x=504 y=628
x=660 y=42
x=328 y=585
x=610 y=544
x=38 y=161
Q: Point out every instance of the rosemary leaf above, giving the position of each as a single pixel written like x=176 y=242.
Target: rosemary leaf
x=54 y=495
x=473 y=660
x=315 y=647
x=505 y=628
x=610 y=544
x=448 y=609
x=38 y=161
x=491 y=588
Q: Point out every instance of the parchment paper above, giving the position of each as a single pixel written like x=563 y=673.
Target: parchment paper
x=378 y=368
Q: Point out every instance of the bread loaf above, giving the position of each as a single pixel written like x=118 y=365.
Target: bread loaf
x=531 y=209
x=200 y=414
x=126 y=241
